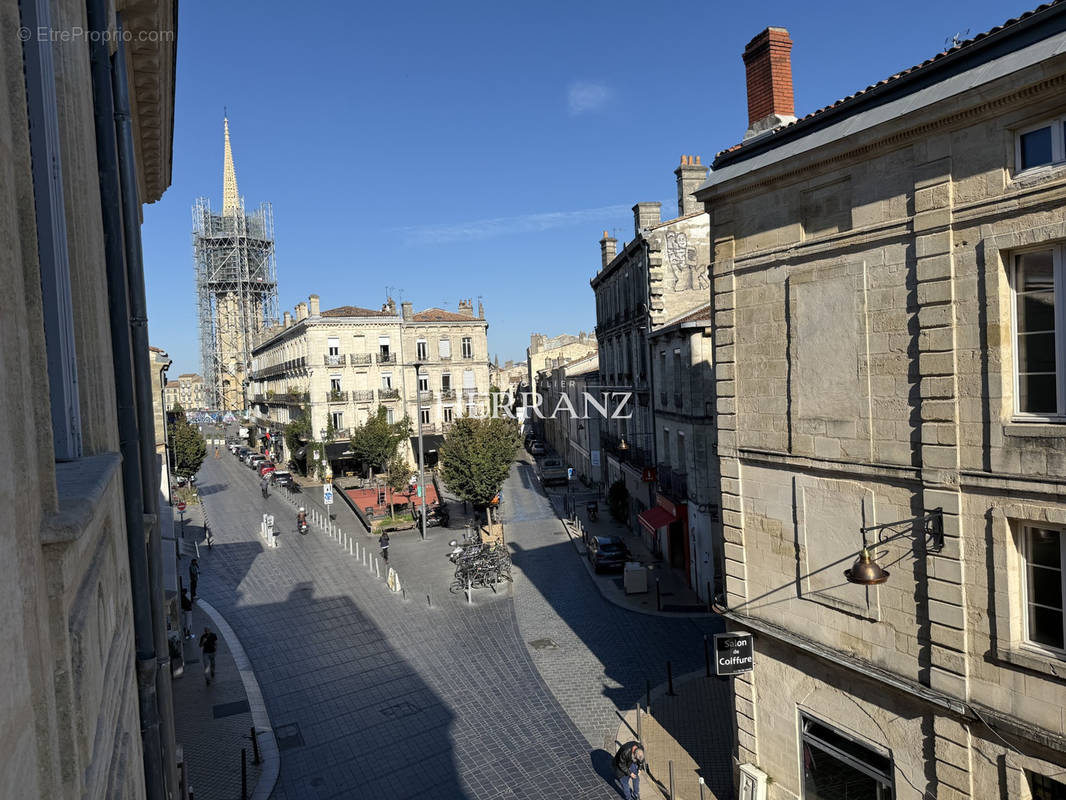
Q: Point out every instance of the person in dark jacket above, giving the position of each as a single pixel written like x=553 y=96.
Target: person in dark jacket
x=186 y=614
x=383 y=543
x=194 y=576
x=628 y=762
x=208 y=644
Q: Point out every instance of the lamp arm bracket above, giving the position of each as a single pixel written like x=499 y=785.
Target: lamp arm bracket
x=933 y=527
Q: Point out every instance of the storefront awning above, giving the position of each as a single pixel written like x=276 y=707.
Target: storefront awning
x=339 y=451
x=433 y=441
x=655 y=518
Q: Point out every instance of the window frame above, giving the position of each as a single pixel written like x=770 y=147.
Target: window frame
x=421 y=350
x=871 y=771
x=466 y=346
x=1027 y=642
x=1058 y=144
x=1057 y=253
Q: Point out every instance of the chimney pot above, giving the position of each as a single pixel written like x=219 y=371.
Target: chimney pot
x=608 y=250
x=312 y=305
x=287 y=319
x=768 y=64
x=690 y=176
x=408 y=310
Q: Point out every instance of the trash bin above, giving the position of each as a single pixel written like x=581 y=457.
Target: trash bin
x=635 y=578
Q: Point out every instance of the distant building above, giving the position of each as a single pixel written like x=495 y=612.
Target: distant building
x=548 y=353
x=571 y=436
x=343 y=363
x=188 y=391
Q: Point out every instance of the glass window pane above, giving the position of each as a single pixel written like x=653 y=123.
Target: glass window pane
x=1044 y=788
x=1036 y=353
x=1045 y=587
x=1036 y=148
x=1037 y=394
x=1035 y=272
x=826 y=777
x=1045 y=627
x=1045 y=548
x=1036 y=312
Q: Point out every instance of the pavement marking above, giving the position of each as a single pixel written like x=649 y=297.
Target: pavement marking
x=268 y=745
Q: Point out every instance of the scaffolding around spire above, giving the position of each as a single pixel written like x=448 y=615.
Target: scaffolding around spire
x=236 y=288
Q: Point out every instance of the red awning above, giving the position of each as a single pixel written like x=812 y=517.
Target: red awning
x=655 y=518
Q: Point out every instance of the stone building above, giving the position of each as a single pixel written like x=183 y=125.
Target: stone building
x=888 y=296
x=86 y=126
x=547 y=353
x=187 y=390
x=160 y=363
x=345 y=362
x=685 y=523
x=573 y=436
x=659 y=276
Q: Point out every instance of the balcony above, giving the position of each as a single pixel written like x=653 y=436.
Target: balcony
x=386 y=358
x=334 y=360
x=634 y=455
x=388 y=394
x=673 y=483
x=445 y=357
x=258 y=398
x=425 y=396
x=363 y=395
x=447 y=394
x=360 y=359
x=336 y=396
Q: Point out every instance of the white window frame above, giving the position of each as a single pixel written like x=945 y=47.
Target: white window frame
x=444 y=348
x=1058 y=144
x=448 y=413
x=422 y=350
x=336 y=383
x=386 y=380
x=424 y=412
x=847 y=758
x=1059 y=272
x=467 y=346
x=1027 y=641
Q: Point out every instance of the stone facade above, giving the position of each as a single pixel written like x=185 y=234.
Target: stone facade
x=187 y=390
x=572 y=436
x=347 y=361
x=866 y=328
x=658 y=277
x=547 y=353
x=70 y=708
x=160 y=362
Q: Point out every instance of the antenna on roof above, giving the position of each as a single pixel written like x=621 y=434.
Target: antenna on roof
x=956 y=40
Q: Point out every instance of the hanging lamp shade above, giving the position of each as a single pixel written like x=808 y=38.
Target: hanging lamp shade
x=865 y=571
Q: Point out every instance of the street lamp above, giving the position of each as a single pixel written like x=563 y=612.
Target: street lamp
x=867 y=572
x=421 y=453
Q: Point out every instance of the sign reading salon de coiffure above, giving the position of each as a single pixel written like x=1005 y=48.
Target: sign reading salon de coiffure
x=734 y=653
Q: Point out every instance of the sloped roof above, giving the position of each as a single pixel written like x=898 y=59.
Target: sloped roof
x=354 y=311
x=885 y=85
x=440 y=315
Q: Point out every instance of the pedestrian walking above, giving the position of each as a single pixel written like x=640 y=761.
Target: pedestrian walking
x=186 y=614
x=208 y=643
x=383 y=543
x=628 y=762
x=194 y=576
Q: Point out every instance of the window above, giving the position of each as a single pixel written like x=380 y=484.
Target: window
x=677 y=377
x=334 y=346
x=836 y=766
x=446 y=382
x=469 y=387
x=1042 y=144
x=679 y=465
x=445 y=346
x=338 y=420
x=383 y=347
x=468 y=347
x=390 y=417
x=386 y=380
x=424 y=413
x=334 y=383
x=447 y=413
x=423 y=383
x=421 y=350
x=1043 y=588
x=1043 y=788
x=1039 y=326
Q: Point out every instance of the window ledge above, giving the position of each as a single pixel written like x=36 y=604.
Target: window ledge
x=1034 y=176
x=1034 y=660
x=1041 y=429
x=80 y=486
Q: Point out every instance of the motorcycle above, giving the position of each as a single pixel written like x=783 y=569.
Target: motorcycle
x=301 y=523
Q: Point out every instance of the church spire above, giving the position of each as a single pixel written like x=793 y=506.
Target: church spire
x=230 y=198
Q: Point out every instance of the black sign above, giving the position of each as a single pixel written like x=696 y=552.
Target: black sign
x=734 y=653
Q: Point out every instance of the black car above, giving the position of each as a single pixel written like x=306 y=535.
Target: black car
x=281 y=477
x=606 y=552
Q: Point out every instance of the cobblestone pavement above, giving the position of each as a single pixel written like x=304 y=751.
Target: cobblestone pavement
x=372 y=695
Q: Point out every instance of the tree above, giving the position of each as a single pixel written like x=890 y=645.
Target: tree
x=375 y=441
x=298 y=432
x=476 y=457
x=398 y=479
x=187 y=445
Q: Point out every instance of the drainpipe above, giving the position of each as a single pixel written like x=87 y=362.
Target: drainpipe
x=142 y=377
x=111 y=208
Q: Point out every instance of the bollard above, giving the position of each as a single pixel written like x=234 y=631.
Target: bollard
x=255 y=748
x=469 y=593
x=640 y=735
x=671 y=780
x=669 y=679
x=429 y=602
x=403 y=591
x=707 y=654
x=701 y=787
x=377 y=567
x=658 y=597
x=244 y=774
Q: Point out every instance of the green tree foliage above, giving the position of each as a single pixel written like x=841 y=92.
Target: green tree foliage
x=375 y=442
x=186 y=443
x=398 y=478
x=299 y=430
x=476 y=457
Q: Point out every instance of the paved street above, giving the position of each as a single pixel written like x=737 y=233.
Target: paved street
x=374 y=695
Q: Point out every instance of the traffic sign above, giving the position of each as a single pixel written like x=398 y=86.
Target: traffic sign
x=181 y=506
x=569 y=473
x=327 y=493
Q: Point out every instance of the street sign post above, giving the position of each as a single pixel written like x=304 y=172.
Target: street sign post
x=181 y=511
x=734 y=653
x=327 y=493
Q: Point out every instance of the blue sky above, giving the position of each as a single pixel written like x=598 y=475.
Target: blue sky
x=455 y=150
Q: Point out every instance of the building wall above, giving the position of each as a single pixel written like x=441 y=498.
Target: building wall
x=865 y=374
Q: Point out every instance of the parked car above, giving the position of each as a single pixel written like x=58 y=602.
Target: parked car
x=240 y=452
x=606 y=552
x=537 y=448
x=255 y=460
x=281 y=477
x=553 y=472
x=265 y=467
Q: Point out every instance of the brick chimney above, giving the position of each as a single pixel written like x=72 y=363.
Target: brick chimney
x=645 y=215
x=768 y=64
x=312 y=305
x=466 y=308
x=608 y=249
x=690 y=176
x=408 y=310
